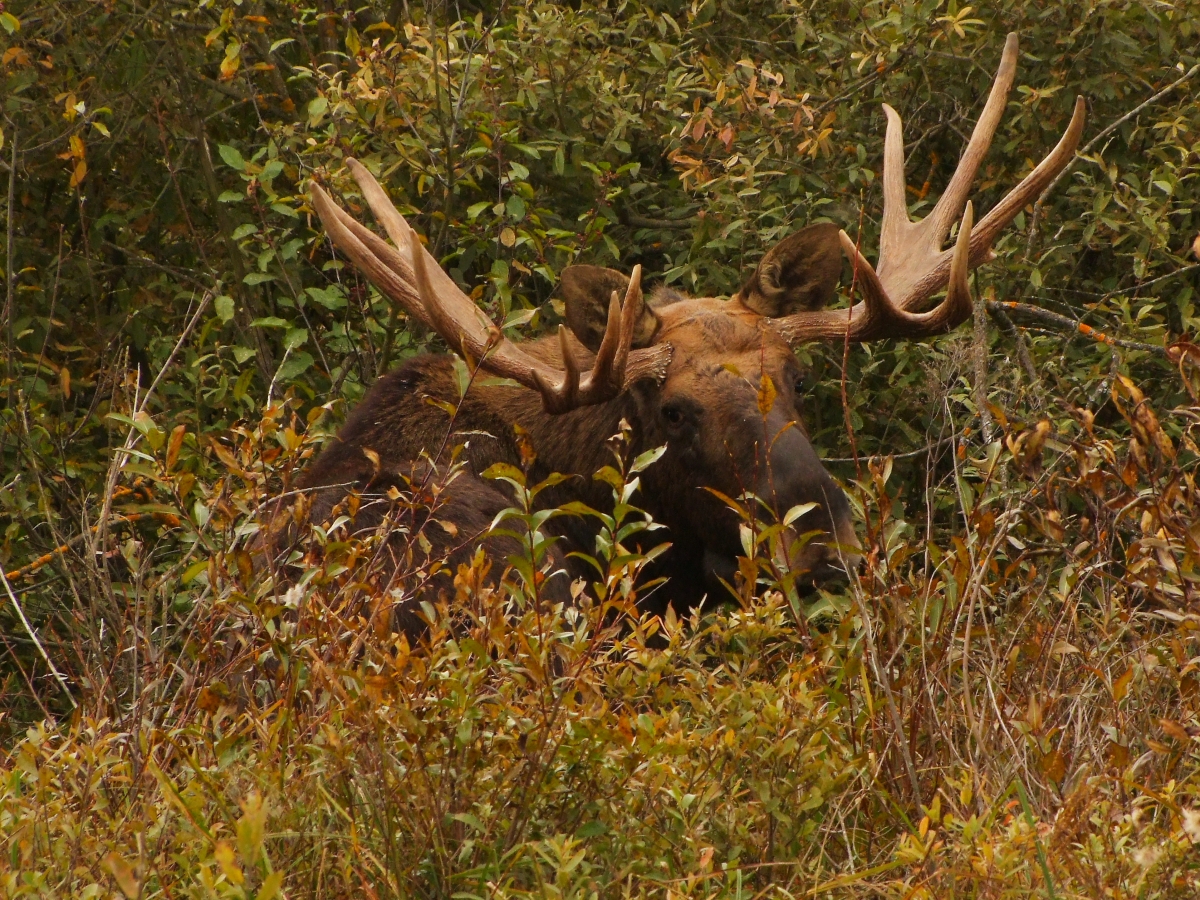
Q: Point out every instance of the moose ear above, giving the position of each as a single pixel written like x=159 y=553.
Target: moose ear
x=587 y=291
x=799 y=273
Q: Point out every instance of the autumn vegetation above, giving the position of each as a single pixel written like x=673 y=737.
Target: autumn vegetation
x=1006 y=701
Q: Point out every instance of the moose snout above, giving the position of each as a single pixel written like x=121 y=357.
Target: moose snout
x=795 y=477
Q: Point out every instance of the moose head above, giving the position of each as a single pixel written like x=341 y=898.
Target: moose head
x=692 y=373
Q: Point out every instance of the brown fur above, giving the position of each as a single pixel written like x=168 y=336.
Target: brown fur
x=706 y=411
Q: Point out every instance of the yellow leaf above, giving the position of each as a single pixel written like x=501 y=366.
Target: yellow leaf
x=124 y=874
x=766 y=394
x=250 y=828
x=233 y=59
x=227 y=860
x=508 y=237
x=1175 y=730
x=64 y=381
x=270 y=886
x=79 y=173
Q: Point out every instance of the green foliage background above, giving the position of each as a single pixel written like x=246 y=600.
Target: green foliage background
x=179 y=337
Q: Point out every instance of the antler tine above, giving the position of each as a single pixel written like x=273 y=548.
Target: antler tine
x=444 y=324
x=895 y=207
x=603 y=369
x=364 y=250
x=956 y=307
x=389 y=217
x=608 y=372
x=909 y=251
x=949 y=207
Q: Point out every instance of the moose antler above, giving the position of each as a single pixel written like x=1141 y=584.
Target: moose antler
x=411 y=277
x=912 y=264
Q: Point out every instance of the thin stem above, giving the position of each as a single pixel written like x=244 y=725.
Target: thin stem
x=62 y=682
x=9 y=278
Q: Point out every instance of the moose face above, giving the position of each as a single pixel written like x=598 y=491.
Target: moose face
x=728 y=407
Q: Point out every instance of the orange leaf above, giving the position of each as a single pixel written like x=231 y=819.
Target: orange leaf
x=174 y=444
x=1121 y=686
x=1174 y=729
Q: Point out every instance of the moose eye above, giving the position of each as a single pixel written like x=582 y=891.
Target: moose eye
x=672 y=415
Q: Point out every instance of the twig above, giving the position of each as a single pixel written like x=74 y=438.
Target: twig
x=9 y=279
x=940 y=442
x=633 y=220
x=62 y=682
x=979 y=333
x=1064 y=322
x=1146 y=284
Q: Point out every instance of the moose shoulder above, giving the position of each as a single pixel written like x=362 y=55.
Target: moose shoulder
x=684 y=372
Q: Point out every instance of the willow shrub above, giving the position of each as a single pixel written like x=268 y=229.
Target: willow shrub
x=1003 y=704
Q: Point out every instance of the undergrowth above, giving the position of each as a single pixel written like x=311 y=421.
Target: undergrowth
x=1010 y=712
x=1005 y=701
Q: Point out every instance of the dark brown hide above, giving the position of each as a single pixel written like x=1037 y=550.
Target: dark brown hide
x=706 y=411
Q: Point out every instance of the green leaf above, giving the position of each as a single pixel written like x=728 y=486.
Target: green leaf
x=223 y=306
x=475 y=209
x=316 y=109
x=258 y=278
x=295 y=337
x=10 y=22
x=271 y=322
x=232 y=157
x=190 y=573
x=644 y=460
x=246 y=228
x=296 y=364
x=242 y=354
x=591 y=829
x=331 y=297
x=231 y=197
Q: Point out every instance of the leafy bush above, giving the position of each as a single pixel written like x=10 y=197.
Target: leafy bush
x=1003 y=704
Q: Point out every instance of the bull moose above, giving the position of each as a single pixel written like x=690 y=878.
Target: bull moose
x=684 y=372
